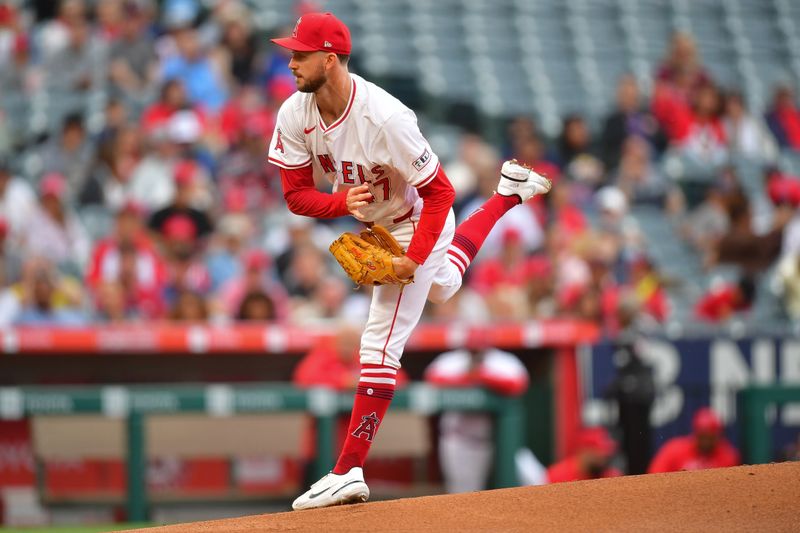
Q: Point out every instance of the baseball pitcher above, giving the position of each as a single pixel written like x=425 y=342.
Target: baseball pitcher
x=383 y=172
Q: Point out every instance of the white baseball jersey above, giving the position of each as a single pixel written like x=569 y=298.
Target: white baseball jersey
x=376 y=142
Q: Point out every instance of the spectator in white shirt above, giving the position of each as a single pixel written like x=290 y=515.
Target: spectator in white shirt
x=747 y=135
x=55 y=232
x=17 y=203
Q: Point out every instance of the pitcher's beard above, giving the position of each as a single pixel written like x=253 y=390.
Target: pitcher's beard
x=312 y=86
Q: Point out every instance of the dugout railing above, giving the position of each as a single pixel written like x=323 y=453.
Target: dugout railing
x=753 y=403
x=134 y=403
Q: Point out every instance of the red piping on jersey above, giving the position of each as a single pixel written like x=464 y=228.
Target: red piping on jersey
x=430 y=178
x=396 y=220
x=404 y=217
x=286 y=165
x=391 y=328
x=344 y=115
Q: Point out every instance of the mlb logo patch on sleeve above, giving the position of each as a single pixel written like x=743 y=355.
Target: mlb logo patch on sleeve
x=422 y=160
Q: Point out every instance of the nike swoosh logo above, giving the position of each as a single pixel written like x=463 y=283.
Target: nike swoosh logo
x=309 y=130
x=513 y=179
x=345 y=485
x=317 y=494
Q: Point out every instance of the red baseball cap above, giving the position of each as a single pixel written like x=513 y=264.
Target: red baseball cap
x=53 y=184
x=597 y=440
x=131 y=207
x=318 y=32
x=256 y=260
x=185 y=172
x=180 y=227
x=706 y=422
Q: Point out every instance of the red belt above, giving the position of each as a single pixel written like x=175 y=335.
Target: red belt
x=396 y=220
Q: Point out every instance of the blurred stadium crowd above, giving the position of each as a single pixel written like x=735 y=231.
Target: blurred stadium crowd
x=134 y=185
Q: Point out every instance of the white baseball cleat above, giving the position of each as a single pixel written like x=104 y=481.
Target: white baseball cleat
x=521 y=180
x=334 y=489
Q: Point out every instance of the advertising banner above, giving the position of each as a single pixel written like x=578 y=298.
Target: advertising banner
x=693 y=373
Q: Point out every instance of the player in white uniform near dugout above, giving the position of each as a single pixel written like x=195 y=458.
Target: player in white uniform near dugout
x=367 y=144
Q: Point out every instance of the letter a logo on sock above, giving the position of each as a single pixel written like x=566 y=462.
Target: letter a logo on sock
x=368 y=426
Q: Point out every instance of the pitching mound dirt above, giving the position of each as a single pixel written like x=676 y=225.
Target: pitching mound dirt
x=747 y=498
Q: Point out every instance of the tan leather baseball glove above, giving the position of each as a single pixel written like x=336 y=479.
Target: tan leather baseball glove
x=367 y=258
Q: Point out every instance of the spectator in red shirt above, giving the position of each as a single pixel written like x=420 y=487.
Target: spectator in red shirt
x=705 y=140
x=531 y=151
x=565 y=211
x=126 y=266
x=509 y=268
x=186 y=270
x=726 y=299
x=245 y=123
x=784 y=119
x=173 y=99
x=705 y=448
x=782 y=189
x=246 y=113
x=501 y=279
x=683 y=60
x=595 y=450
x=257 y=278
x=335 y=364
x=671 y=105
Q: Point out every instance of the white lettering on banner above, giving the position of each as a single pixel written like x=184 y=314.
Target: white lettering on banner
x=665 y=360
x=666 y=363
x=598 y=412
x=275 y=340
x=115 y=401
x=763 y=357
x=154 y=401
x=763 y=354
x=257 y=400
x=456 y=335
x=12 y=403
x=49 y=402
x=219 y=400
x=197 y=339
x=730 y=372
x=533 y=334
x=595 y=411
x=10 y=341
x=790 y=374
x=423 y=398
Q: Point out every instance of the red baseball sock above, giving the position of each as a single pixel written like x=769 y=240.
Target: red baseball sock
x=373 y=396
x=471 y=233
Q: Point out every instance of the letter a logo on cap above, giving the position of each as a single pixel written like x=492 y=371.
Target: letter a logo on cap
x=296 y=25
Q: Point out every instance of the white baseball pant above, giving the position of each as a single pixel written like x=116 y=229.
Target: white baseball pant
x=396 y=309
